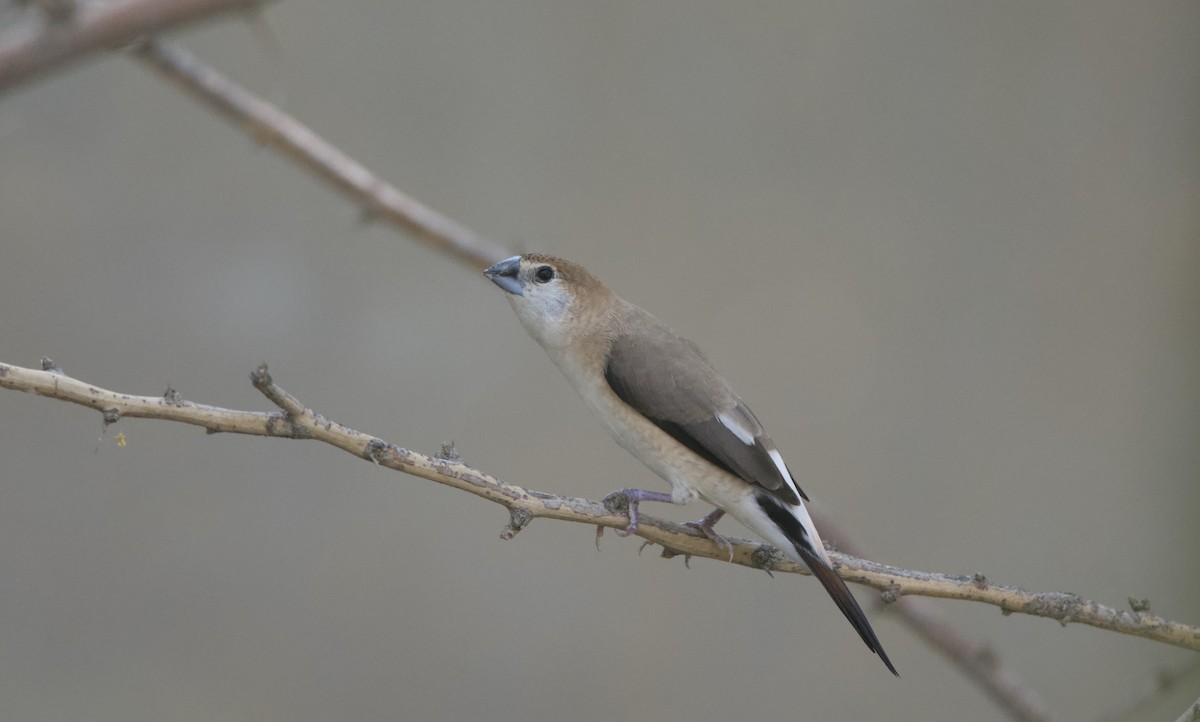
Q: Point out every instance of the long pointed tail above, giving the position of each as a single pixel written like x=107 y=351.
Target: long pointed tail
x=796 y=526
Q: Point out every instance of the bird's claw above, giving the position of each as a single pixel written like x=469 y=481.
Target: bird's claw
x=705 y=527
x=627 y=500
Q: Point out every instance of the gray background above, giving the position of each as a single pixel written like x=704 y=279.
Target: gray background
x=947 y=252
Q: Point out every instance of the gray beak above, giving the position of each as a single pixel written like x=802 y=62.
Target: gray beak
x=504 y=275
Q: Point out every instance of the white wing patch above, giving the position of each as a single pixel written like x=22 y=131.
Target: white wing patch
x=746 y=436
x=783 y=471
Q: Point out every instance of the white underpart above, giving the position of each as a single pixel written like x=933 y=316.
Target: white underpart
x=744 y=507
x=543 y=311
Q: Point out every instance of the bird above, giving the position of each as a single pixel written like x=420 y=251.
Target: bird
x=664 y=403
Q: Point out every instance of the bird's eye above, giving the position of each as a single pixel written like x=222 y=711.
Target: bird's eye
x=545 y=274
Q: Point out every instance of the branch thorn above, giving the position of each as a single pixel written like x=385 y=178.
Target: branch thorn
x=518 y=519
x=374 y=450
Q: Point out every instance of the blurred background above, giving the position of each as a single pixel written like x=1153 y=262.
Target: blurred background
x=949 y=253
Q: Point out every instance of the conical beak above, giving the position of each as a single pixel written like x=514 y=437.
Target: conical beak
x=504 y=274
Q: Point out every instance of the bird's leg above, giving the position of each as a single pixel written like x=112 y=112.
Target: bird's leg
x=632 y=497
x=706 y=525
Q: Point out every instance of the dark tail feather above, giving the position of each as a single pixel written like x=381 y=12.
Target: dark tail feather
x=845 y=601
x=782 y=516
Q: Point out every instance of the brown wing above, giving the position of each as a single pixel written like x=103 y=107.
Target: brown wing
x=664 y=377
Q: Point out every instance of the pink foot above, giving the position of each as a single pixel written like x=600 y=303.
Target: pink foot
x=706 y=525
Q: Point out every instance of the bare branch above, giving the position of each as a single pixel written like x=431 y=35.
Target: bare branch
x=1162 y=681
x=47 y=40
x=262 y=120
x=976 y=660
x=1191 y=714
x=270 y=125
x=285 y=134
x=298 y=422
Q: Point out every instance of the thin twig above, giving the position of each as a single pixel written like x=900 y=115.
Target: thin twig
x=975 y=659
x=262 y=120
x=1191 y=714
x=1161 y=681
x=298 y=422
x=270 y=125
x=267 y=123
x=40 y=42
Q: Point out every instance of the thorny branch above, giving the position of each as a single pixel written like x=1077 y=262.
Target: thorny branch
x=291 y=138
x=320 y=158
x=68 y=30
x=53 y=34
x=294 y=421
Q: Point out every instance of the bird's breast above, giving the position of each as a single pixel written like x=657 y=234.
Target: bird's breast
x=689 y=474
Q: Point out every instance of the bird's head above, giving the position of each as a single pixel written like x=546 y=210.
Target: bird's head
x=554 y=298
